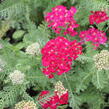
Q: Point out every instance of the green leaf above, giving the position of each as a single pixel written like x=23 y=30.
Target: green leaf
x=18 y=34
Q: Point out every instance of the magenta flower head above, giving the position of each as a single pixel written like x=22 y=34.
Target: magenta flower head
x=98 y=17
x=95 y=36
x=58 y=54
x=62 y=20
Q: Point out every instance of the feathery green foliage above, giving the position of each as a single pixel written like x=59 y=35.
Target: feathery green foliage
x=22 y=24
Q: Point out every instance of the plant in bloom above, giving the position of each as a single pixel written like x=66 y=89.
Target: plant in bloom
x=60 y=97
x=17 y=77
x=98 y=17
x=33 y=49
x=59 y=88
x=93 y=35
x=58 y=54
x=61 y=19
x=25 y=105
x=102 y=60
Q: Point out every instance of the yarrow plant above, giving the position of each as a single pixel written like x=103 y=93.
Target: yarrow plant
x=60 y=89
x=95 y=36
x=60 y=97
x=102 y=60
x=17 y=77
x=58 y=54
x=62 y=20
x=98 y=17
x=26 y=105
x=33 y=49
x=59 y=51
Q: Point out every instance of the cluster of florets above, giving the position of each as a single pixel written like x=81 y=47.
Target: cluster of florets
x=102 y=60
x=33 y=49
x=62 y=20
x=58 y=54
x=60 y=89
x=98 y=17
x=25 y=105
x=93 y=35
x=17 y=77
x=60 y=97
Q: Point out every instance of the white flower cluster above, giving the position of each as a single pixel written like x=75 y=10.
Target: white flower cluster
x=102 y=60
x=59 y=88
x=17 y=77
x=33 y=49
x=25 y=105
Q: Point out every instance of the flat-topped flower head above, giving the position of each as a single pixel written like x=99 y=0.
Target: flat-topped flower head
x=95 y=36
x=17 y=77
x=98 y=17
x=26 y=105
x=102 y=60
x=62 y=20
x=58 y=54
x=33 y=49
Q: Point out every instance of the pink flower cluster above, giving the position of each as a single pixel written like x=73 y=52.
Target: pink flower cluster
x=98 y=17
x=54 y=101
x=58 y=54
x=93 y=35
x=62 y=20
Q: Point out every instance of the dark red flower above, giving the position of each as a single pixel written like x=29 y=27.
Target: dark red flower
x=54 y=101
x=98 y=17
